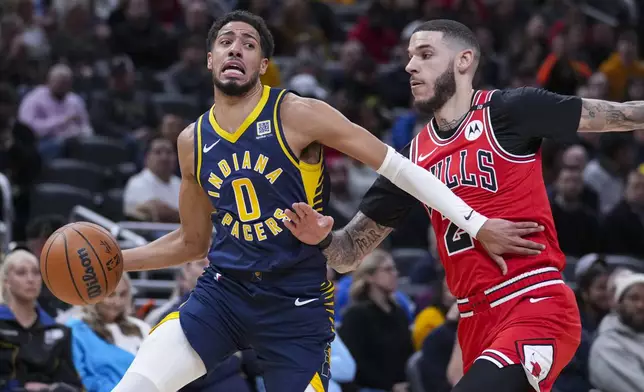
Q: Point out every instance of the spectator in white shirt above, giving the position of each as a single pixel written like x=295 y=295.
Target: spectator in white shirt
x=153 y=194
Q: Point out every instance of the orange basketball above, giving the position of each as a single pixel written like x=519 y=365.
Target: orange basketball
x=81 y=263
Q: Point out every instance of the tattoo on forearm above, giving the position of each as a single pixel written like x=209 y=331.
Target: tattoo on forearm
x=598 y=115
x=357 y=239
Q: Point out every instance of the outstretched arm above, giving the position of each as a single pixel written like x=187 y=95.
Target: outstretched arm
x=606 y=116
x=322 y=123
x=353 y=242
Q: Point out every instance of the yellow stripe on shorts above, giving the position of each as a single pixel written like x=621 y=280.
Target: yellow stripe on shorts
x=170 y=316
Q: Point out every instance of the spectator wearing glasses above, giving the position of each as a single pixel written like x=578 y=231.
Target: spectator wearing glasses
x=376 y=328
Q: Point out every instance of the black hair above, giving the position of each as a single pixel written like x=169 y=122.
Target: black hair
x=453 y=30
x=151 y=141
x=8 y=95
x=257 y=22
x=612 y=144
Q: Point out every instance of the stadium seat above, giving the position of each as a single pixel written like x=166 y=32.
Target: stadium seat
x=59 y=199
x=185 y=106
x=405 y=258
x=99 y=150
x=414 y=372
x=122 y=172
x=84 y=175
x=112 y=205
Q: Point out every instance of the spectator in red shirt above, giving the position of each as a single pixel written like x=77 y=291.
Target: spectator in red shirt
x=372 y=31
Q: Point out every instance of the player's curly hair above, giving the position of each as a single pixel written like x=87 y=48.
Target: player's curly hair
x=92 y=317
x=257 y=22
x=360 y=286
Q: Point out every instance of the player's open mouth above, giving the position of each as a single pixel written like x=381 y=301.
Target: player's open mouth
x=233 y=68
x=415 y=83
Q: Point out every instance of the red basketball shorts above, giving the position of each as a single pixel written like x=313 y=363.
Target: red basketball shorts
x=531 y=319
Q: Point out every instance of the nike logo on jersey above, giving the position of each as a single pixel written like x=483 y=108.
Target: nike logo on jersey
x=535 y=300
x=423 y=157
x=468 y=216
x=208 y=148
x=301 y=303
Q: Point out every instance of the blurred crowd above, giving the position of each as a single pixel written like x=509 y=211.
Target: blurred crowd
x=93 y=94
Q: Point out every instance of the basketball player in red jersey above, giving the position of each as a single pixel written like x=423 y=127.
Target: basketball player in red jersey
x=519 y=326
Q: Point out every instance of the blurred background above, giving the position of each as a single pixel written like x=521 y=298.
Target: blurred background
x=93 y=94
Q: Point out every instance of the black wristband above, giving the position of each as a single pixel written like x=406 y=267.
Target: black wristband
x=326 y=241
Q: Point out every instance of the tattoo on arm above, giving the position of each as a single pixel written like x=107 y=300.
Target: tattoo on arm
x=354 y=241
x=602 y=116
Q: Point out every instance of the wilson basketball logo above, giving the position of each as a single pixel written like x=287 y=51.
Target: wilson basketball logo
x=474 y=130
x=89 y=277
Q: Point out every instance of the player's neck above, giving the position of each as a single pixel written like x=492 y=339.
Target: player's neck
x=225 y=102
x=455 y=109
x=24 y=312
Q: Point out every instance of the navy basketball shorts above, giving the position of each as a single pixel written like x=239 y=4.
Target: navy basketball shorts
x=287 y=320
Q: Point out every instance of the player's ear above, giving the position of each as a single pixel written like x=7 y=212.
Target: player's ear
x=464 y=60
x=263 y=66
x=209 y=61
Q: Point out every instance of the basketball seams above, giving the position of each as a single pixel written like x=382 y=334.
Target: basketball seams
x=109 y=235
x=100 y=263
x=45 y=271
x=69 y=268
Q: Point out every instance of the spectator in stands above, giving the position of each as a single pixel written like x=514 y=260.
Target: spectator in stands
x=623 y=228
x=197 y=18
x=605 y=174
x=622 y=65
x=602 y=43
x=577 y=225
x=189 y=76
x=35 y=36
x=54 y=112
x=186 y=279
x=374 y=34
x=561 y=71
x=123 y=111
x=142 y=38
x=35 y=352
x=171 y=126
x=617 y=354
x=432 y=316
x=153 y=194
x=593 y=298
x=106 y=338
x=19 y=158
x=75 y=41
x=372 y=316
x=576 y=156
x=38 y=231
x=16 y=67
x=437 y=351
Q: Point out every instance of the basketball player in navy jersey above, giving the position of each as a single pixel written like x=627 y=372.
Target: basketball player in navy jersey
x=244 y=162
x=520 y=328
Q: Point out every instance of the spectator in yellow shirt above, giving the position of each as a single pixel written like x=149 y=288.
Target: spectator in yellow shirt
x=622 y=66
x=432 y=316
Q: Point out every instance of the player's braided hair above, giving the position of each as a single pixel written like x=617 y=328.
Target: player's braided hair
x=93 y=318
x=360 y=286
x=255 y=21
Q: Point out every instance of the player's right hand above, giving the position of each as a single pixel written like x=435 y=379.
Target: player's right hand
x=499 y=236
x=308 y=225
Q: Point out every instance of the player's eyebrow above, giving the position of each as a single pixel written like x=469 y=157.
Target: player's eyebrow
x=419 y=48
x=231 y=33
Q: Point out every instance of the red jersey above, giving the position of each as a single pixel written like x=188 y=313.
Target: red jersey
x=495 y=183
x=474 y=161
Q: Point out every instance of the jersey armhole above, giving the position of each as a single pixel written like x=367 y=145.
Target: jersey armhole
x=281 y=138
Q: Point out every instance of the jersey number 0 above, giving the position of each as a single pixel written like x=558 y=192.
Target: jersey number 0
x=246 y=200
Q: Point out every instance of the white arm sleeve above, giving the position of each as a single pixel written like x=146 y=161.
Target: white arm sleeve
x=425 y=187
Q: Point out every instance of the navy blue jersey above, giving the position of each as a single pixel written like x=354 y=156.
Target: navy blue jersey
x=251 y=176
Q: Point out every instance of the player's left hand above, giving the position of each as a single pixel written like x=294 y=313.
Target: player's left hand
x=499 y=236
x=308 y=225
